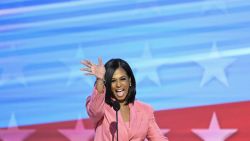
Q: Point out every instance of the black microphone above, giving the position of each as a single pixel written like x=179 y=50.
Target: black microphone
x=116 y=107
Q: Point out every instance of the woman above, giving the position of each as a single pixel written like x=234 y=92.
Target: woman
x=115 y=82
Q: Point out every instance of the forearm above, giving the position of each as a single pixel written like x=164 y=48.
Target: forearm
x=95 y=104
x=100 y=85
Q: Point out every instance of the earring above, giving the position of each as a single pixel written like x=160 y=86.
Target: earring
x=130 y=85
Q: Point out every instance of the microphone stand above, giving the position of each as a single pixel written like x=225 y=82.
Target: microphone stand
x=116 y=107
x=117 y=125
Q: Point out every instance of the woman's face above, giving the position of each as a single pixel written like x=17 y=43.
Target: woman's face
x=120 y=84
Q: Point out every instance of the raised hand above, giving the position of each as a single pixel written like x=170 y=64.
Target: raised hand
x=98 y=70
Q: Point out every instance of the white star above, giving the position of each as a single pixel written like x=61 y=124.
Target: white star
x=12 y=69
x=74 y=66
x=13 y=133
x=212 y=5
x=215 y=66
x=79 y=133
x=146 y=70
x=214 y=133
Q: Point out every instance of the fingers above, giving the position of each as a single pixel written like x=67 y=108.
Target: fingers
x=89 y=73
x=86 y=69
x=86 y=63
x=100 y=61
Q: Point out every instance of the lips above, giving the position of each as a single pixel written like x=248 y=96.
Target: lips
x=120 y=93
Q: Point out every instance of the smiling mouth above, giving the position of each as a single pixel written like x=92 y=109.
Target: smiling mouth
x=120 y=93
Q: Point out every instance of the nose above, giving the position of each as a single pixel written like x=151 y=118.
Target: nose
x=118 y=84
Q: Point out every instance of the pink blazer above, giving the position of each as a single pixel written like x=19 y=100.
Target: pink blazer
x=142 y=123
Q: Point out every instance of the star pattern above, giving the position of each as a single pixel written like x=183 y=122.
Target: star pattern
x=146 y=70
x=214 y=132
x=214 y=67
x=80 y=133
x=12 y=69
x=13 y=133
x=74 y=65
x=192 y=29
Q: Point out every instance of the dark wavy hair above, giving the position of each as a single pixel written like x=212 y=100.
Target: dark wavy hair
x=110 y=67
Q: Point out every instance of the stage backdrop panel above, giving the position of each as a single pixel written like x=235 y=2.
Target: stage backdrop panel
x=191 y=60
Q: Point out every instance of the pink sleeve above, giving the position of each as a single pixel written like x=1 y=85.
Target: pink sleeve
x=154 y=132
x=95 y=105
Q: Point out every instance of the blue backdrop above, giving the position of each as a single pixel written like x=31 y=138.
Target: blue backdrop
x=184 y=53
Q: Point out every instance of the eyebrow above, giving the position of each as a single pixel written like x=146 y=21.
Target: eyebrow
x=120 y=77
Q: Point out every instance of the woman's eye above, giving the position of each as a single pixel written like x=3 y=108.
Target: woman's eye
x=123 y=78
x=112 y=81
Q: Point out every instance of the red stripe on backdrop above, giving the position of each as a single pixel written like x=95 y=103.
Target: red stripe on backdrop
x=179 y=122
x=182 y=121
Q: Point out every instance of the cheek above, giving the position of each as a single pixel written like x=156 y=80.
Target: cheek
x=112 y=88
x=126 y=84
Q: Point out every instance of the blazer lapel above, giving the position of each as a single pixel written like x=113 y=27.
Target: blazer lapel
x=122 y=131
x=135 y=119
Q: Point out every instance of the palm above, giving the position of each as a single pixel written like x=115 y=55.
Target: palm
x=98 y=70
x=93 y=69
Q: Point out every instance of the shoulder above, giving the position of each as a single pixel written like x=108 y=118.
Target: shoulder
x=141 y=106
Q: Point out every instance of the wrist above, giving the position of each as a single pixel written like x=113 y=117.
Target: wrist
x=100 y=80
